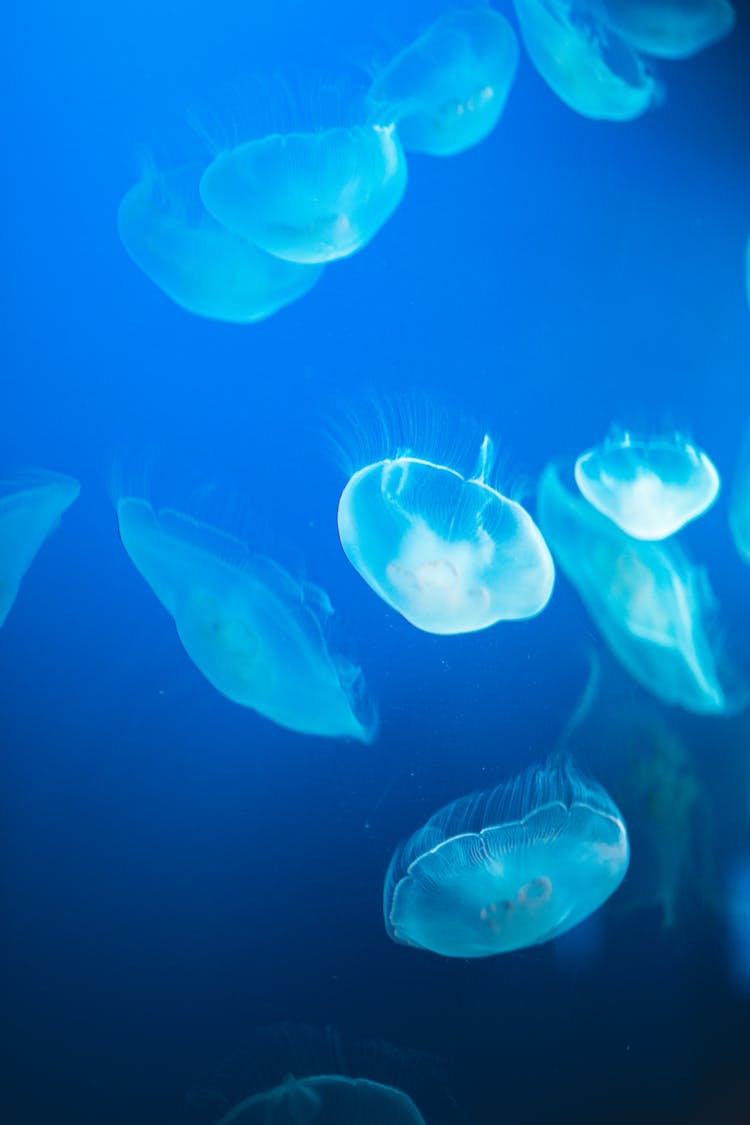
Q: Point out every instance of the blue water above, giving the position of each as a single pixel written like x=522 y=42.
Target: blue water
x=179 y=872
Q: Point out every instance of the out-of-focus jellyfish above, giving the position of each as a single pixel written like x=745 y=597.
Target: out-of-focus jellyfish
x=511 y=867
x=739 y=503
x=308 y=197
x=650 y=489
x=738 y=921
x=257 y=635
x=447 y=90
x=651 y=605
x=327 y=1099
x=451 y=554
x=587 y=64
x=670 y=29
x=203 y=267
x=31 y=505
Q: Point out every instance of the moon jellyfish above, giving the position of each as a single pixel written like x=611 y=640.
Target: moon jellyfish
x=451 y=555
x=308 y=197
x=590 y=68
x=447 y=90
x=651 y=606
x=258 y=637
x=31 y=505
x=507 y=868
x=327 y=1099
x=671 y=29
x=739 y=504
x=650 y=489
x=204 y=268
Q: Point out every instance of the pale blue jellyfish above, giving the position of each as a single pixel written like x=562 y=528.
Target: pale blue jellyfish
x=31 y=505
x=451 y=554
x=257 y=635
x=203 y=267
x=508 y=868
x=590 y=68
x=650 y=489
x=326 y=1099
x=447 y=90
x=308 y=197
x=670 y=29
x=739 y=502
x=653 y=608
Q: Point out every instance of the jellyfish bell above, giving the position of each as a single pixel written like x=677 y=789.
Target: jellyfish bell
x=739 y=503
x=670 y=29
x=508 y=868
x=650 y=489
x=447 y=90
x=258 y=636
x=329 y=1099
x=31 y=506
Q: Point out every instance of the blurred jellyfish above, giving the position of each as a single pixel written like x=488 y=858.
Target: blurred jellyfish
x=670 y=29
x=203 y=267
x=257 y=635
x=452 y=555
x=447 y=90
x=590 y=68
x=738 y=921
x=511 y=867
x=308 y=197
x=650 y=489
x=739 y=503
x=328 y=1099
x=31 y=505
x=650 y=604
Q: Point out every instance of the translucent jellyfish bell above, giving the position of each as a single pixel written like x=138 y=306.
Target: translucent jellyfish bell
x=671 y=29
x=739 y=504
x=257 y=635
x=451 y=555
x=204 y=268
x=650 y=489
x=308 y=197
x=447 y=90
x=31 y=505
x=590 y=68
x=326 y=1100
x=508 y=868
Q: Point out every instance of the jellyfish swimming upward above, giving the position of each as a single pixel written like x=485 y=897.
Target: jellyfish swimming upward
x=31 y=505
x=451 y=555
x=508 y=868
x=258 y=637
x=326 y=1099
x=447 y=90
x=650 y=489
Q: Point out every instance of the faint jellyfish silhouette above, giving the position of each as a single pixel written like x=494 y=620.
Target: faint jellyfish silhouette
x=739 y=503
x=650 y=489
x=451 y=554
x=258 y=637
x=204 y=268
x=326 y=1099
x=670 y=29
x=308 y=197
x=590 y=68
x=511 y=867
x=447 y=89
x=31 y=505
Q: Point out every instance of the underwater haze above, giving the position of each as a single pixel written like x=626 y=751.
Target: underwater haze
x=431 y=803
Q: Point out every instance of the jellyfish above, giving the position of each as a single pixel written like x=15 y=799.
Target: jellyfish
x=326 y=1099
x=452 y=555
x=204 y=268
x=652 y=607
x=670 y=29
x=308 y=197
x=447 y=90
x=739 y=503
x=507 y=868
x=590 y=68
x=31 y=505
x=258 y=637
x=650 y=489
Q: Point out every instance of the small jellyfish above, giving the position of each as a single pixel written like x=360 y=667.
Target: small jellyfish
x=452 y=555
x=650 y=489
x=447 y=90
x=590 y=68
x=308 y=197
x=257 y=636
x=31 y=505
x=507 y=868
x=670 y=29
x=326 y=1099
x=739 y=502
x=204 y=268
